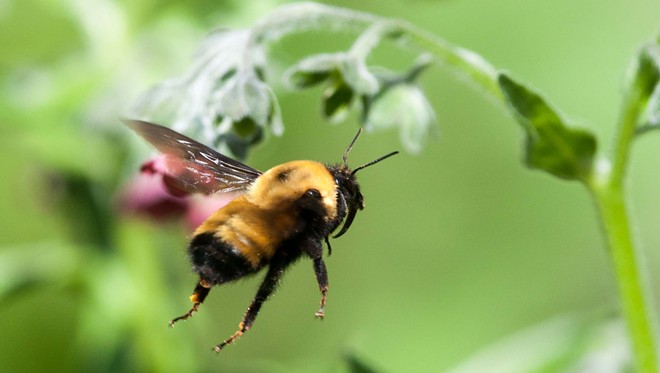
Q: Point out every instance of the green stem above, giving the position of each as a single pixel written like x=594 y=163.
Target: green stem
x=460 y=60
x=608 y=189
x=634 y=104
x=626 y=260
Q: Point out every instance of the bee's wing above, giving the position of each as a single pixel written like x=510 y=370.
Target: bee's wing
x=194 y=167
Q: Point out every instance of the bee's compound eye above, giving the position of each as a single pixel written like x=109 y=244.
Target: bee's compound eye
x=313 y=193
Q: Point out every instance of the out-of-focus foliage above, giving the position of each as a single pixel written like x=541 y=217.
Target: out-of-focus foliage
x=225 y=97
x=457 y=248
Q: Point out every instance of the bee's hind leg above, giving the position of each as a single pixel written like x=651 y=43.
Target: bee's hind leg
x=201 y=291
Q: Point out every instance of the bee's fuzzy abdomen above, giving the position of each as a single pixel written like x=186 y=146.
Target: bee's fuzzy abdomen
x=216 y=261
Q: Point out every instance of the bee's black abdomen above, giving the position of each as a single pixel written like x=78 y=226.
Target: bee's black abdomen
x=216 y=261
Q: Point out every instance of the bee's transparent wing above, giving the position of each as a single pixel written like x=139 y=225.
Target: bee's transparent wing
x=194 y=167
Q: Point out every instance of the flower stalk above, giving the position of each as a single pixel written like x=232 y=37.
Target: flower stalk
x=608 y=190
x=627 y=261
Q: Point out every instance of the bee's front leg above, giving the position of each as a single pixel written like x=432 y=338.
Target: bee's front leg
x=322 y=279
x=315 y=251
x=267 y=287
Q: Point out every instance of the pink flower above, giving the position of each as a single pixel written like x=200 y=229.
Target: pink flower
x=153 y=193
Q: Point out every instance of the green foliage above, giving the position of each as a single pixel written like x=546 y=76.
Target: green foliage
x=100 y=286
x=644 y=86
x=337 y=99
x=551 y=145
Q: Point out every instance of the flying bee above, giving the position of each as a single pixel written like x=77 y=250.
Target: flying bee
x=283 y=214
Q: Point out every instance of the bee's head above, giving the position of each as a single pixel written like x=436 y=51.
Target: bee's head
x=349 y=197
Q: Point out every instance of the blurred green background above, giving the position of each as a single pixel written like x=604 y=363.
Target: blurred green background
x=458 y=247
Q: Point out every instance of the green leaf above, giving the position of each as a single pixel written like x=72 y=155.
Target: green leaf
x=312 y=70
x=644 y=87
x=647 y=71
x=551 y=145
x=300 y=79
x=245 y=127
x=336 y=100
x=320 y=67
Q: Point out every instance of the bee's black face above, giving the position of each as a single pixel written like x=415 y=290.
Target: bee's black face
x=349 y=197
x=351 y=188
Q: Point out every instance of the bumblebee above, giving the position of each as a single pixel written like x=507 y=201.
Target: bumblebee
x=283 y=214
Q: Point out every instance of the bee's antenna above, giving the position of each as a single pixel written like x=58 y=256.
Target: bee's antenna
x=373 y=162
x=345 y=157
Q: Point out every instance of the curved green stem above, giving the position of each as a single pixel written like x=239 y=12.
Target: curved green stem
x=303 y=16
x=608 y=190
x=464 y=61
